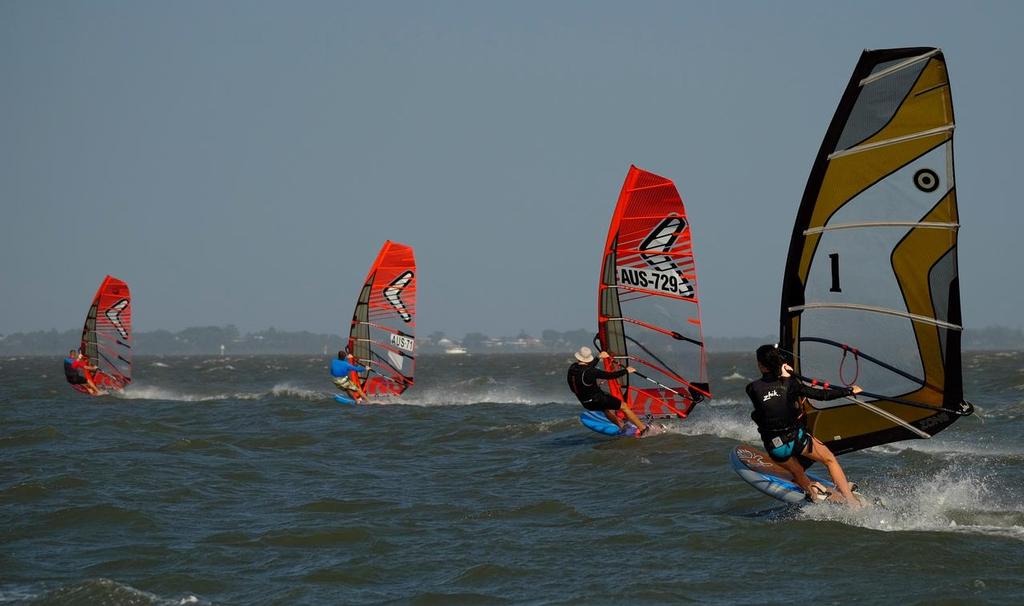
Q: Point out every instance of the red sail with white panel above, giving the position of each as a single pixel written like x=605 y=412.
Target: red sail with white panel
x=107 y=336
x=648 y=304
x=382 y=335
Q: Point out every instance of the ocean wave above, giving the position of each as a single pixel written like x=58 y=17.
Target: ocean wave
x=952 y=500
x=280 y=390
x=102 y=591
x=464 y=397
x=219 y=368
x=289 y=390
x=721 y=421
x=948 y=449
x=151 y=392
x=29 y=437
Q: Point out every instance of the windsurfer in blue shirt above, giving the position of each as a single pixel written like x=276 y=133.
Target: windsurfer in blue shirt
x=341 y=370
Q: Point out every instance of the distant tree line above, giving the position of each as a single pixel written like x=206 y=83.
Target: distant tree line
x=215 y=339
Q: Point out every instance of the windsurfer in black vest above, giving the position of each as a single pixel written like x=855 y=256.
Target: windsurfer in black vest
x=776 y=397
x=77 y=369
x=583 y=376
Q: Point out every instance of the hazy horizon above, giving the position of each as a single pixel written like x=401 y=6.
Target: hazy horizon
x=242 y=162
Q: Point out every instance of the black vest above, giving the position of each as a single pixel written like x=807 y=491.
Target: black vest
x=582 y=382
x=72 y=374
x=775 y=408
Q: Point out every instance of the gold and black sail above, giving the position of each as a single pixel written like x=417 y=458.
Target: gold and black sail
x=871 y=293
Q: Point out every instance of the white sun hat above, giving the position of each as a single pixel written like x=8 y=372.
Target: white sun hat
x=584 y=355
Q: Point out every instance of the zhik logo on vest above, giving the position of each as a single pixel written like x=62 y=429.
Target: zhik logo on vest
x=771 y=394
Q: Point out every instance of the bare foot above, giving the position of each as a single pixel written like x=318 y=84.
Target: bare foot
x=819 y=493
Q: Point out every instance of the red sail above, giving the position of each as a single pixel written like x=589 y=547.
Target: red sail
x=648 y=305
x=107 y=336
x=382 y=336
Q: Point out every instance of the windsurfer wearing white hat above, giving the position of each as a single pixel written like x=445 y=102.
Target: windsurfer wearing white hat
x=583 y=376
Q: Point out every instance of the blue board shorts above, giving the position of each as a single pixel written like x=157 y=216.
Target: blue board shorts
x=794 y=446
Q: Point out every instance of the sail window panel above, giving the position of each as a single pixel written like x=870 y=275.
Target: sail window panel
x=890 y=339
x=679 y=357
x=943 y=282
x=877 y=103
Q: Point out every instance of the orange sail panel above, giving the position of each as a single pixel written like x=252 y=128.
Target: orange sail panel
x=107 y=336
x=382 y=336
x=648 y=305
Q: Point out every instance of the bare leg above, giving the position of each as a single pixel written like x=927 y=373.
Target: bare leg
x=635 y=420
x=92 y=386
x=799 y=475
x=360 y=392
x=816 y=451
x=614 y=418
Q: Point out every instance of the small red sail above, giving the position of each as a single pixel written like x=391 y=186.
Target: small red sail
x=382 y=336
x=648 y=305
x=107 y=336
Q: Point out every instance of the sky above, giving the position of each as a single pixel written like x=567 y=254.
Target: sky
x=241 y=162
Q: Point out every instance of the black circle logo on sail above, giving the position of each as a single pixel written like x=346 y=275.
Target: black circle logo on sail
x=926 y=180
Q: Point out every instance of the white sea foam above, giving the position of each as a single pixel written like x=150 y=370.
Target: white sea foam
x=464 y=397
x=151 y=392
x=99 y=590
x=288 y=390
x=949 y=449
x=280 y=390
x=725 y=420
x=952 y=500
x=219 y=368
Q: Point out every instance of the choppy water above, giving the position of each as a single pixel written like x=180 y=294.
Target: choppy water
x=238 y=481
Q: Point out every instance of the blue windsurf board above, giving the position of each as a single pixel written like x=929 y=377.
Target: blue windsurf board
x=757 y=469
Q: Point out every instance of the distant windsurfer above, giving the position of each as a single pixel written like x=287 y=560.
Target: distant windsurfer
x=341 y=370
x=780 y=420
x=583 y=375
x=77 y=371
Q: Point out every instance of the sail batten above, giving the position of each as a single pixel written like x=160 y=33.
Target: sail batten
x=872 y=260
x=648 y=308
x=919 y=225
x=877 y=310
x=886 y=142
x=899 y=67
